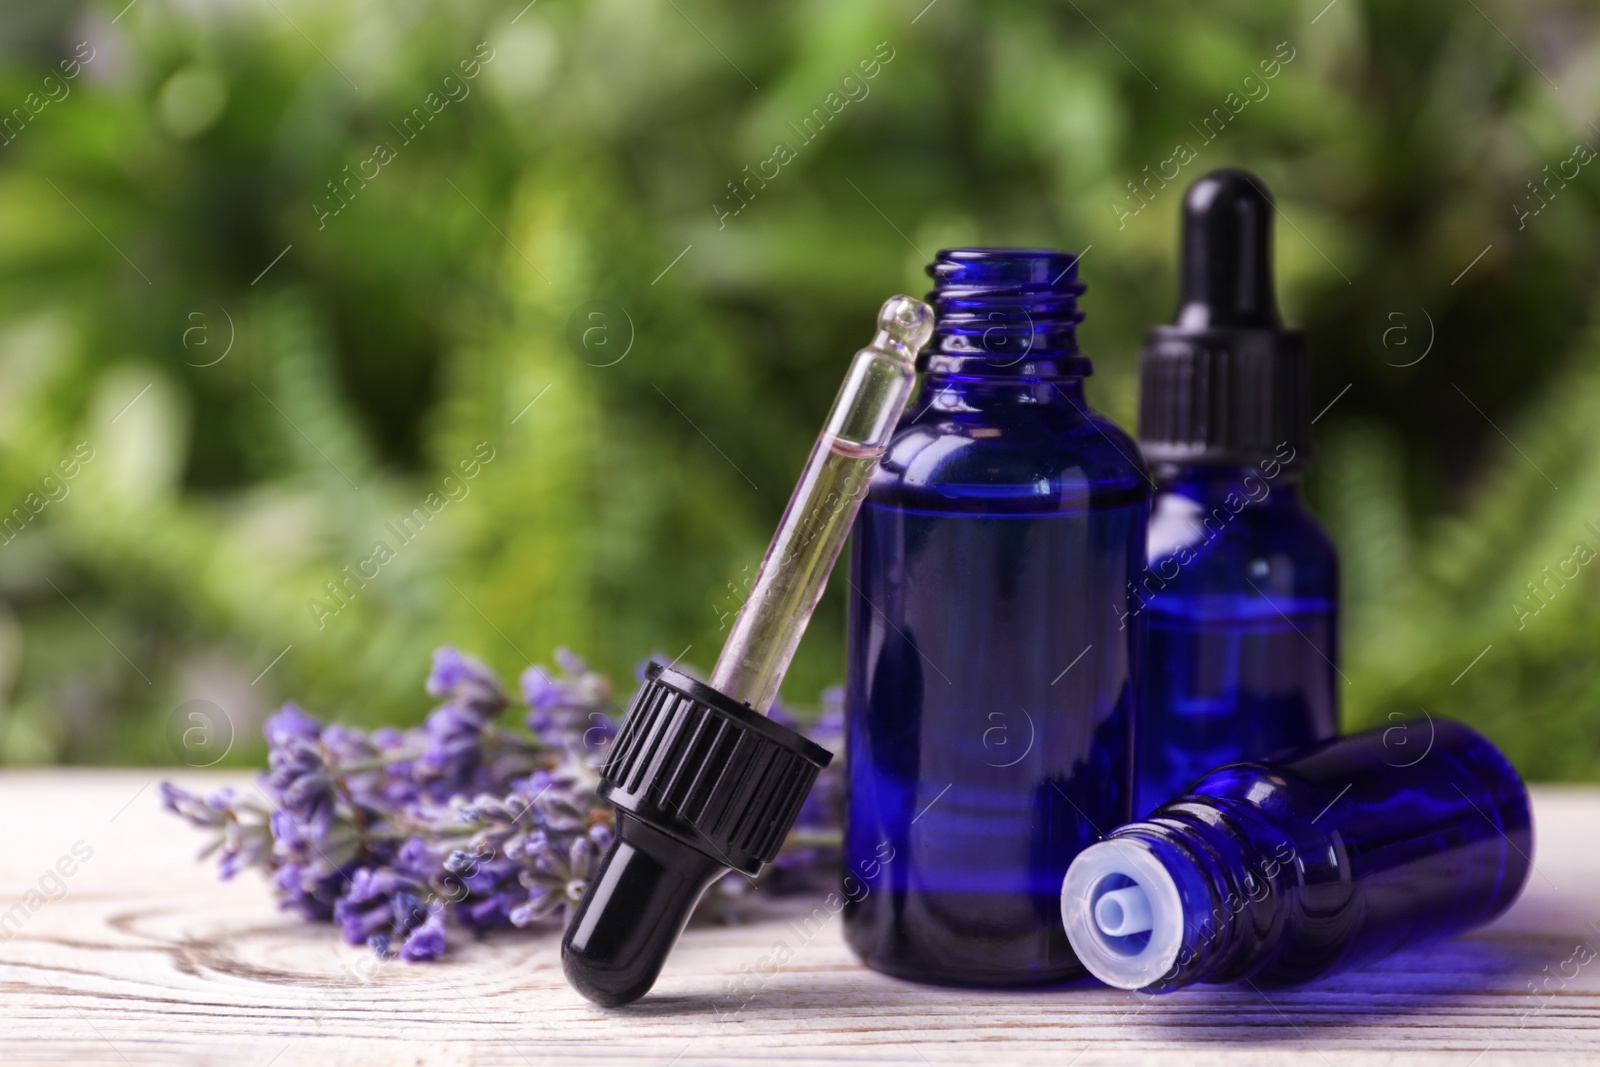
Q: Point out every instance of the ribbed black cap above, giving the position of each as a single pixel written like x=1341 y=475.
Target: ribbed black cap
x=701 y=783
x=1226 y=383
x=703 y=767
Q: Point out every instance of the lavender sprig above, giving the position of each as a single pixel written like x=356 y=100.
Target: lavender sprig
x=397 y=835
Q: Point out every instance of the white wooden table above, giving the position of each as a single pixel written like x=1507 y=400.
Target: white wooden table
x=147 y=959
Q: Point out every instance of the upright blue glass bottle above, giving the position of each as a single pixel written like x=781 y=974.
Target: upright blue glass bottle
x=1283 y=871
x=1241 y=592
x=991 y=677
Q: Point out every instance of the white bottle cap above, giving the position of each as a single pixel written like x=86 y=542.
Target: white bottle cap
x=1122 y=913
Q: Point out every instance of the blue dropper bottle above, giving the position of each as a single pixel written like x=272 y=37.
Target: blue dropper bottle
x=1241 y=591
x=990 y=680
x=1284 y=871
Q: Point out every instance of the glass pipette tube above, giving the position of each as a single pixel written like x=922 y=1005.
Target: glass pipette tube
x=832 y=486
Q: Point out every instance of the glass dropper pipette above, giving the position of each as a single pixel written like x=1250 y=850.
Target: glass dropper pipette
x=786 y=589
x=701 y=780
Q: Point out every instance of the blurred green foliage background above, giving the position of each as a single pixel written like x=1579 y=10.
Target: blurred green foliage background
x=266 y=385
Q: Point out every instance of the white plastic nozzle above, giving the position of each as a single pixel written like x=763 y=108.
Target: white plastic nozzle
x=1123 y=912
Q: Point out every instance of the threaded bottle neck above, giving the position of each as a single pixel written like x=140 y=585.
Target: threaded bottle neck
x=1005 y=312
x=1216 y=880
x=1239 y=868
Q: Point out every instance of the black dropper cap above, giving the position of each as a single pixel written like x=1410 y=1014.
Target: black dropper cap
x=702 y=783
x=1226 y=383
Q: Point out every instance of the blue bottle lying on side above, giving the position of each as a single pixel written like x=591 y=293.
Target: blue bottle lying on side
x=1240 y=597
x=990 y=683
x=1283 y=871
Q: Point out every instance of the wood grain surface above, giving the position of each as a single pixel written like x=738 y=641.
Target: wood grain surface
x=139 y=956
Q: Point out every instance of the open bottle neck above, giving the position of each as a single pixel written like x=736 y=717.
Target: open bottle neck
x=1235 y=875
x=1005 y=313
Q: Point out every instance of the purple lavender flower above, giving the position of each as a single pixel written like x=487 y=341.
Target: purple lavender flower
x=560 y=707
x=200 y=813
x=368 y=906
x=491 y=890
x=385 y=905
x=465 y=681
x=543 y=692
x=395 y=833
x=289 y=722
x=452 y=759
x=300 y=781
x=546 y=812
x=241 y=832
x=308 y=890
x=559 y=875
x=397 y=779
x=464 y=750
x=426 y=942
x=298 y=775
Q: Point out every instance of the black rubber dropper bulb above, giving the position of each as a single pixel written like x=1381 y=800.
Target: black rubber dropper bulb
x=702 y=784
x=1226 y=383
x=1227 y=254
x=702 y=781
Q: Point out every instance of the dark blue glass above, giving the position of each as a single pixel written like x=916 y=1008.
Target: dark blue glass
x=990 y=676
x=1241 y=606
x=1284 y=871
